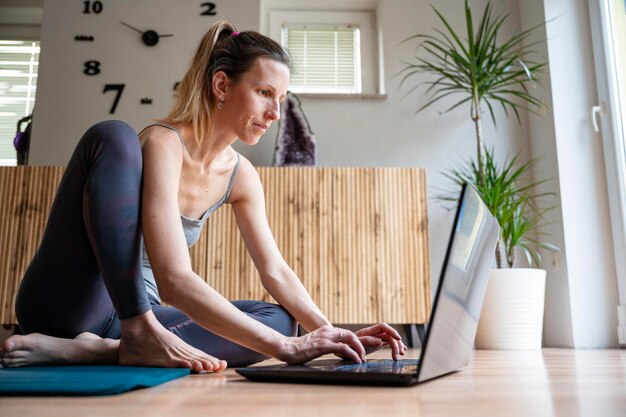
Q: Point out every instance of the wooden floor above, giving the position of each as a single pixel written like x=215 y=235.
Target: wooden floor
x=552 y=382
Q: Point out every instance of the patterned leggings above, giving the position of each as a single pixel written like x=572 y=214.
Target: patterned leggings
x=86 y=274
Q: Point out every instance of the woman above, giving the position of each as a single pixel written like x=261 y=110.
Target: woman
x=116 y=242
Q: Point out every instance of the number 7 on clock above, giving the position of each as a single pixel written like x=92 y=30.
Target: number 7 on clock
x=114 y=87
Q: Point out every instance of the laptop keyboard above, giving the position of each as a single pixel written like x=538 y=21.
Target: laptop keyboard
x=386 y=365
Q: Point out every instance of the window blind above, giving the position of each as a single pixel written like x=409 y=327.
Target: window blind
x=19 y=64
x=326 y=59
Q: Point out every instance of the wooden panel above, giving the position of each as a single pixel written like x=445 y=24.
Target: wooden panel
x=26 y=197
x=357 y=237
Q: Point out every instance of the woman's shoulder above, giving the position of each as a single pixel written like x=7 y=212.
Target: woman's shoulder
x=247 y=180
x=161 y=136
x=246 y=169
x=159 y=131
x=161 y=144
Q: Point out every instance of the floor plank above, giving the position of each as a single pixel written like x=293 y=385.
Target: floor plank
x=551 y=382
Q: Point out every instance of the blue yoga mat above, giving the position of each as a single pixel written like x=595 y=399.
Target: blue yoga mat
x=82 y=380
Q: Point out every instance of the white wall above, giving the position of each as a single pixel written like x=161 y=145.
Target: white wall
x=68 y=101
x=581 y=289
x=557 y=330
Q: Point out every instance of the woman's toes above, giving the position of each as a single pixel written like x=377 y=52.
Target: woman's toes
x=181 y=363
x=13 y=362
x=13 y=343
x=207 y=365
x=8 y=345
x=198 y=366
x=16 y=354
x=222 y=365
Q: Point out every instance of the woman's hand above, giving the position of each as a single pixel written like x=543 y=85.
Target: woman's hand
x=381 y=335
x=324 y=340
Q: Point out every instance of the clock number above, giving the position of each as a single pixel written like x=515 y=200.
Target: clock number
x=92 y=7
x=92 y=68
x=210 y=9
x=114 y=87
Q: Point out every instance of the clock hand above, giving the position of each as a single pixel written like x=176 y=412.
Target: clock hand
x=149 y=37
x=130 y=27
x=142 y=32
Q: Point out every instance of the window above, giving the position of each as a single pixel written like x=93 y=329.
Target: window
x=19 y=63
x=327 y=59
x=332 y=52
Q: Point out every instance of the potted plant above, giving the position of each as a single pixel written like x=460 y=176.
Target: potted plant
x=483 y=71
x=512 y=315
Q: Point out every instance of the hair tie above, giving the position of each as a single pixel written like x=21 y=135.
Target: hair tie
x=234 y=34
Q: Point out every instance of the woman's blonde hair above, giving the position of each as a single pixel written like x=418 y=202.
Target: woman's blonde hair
x=222 y=48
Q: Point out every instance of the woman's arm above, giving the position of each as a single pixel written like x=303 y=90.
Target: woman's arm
x=278 y=278
x=180 y=287
x=169 y=257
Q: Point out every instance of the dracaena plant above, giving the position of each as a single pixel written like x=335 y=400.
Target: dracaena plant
x=511 y=200
x=478 y=68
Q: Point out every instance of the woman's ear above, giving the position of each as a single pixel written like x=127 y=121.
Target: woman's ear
x=220 y=84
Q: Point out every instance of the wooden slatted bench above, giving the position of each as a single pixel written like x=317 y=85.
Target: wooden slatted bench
x=357 y=237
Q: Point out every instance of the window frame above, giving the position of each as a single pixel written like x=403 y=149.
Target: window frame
x=365 y=20
x=612 y=131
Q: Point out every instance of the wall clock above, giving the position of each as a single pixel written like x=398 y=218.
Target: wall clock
x=116 y=59
x=142 y=33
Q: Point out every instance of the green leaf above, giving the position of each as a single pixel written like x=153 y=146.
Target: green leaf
x=479 y=69
x=550 y=247
x=509 y=197
x=478 y=65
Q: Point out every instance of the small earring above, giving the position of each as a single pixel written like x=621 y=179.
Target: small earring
x=220 y=104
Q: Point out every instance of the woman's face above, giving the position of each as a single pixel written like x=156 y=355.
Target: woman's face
x=253 y=102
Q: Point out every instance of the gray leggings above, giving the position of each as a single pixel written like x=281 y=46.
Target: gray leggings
x=86 y=273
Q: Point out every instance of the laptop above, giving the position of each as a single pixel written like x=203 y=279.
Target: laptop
x=449 y=339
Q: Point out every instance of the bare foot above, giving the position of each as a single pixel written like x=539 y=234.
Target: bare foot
x=39 y=349
x=145 y=342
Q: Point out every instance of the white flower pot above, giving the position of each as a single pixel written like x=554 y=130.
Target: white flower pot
x=512 y=315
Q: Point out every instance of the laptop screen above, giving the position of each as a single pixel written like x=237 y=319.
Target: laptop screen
x=462 y=287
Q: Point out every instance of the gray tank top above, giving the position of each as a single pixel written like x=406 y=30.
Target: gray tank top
x=191 y=227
